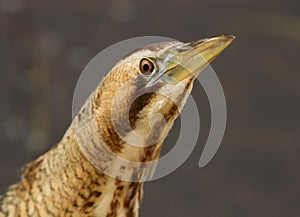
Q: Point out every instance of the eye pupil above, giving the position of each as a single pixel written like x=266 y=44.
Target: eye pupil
x=146 y=66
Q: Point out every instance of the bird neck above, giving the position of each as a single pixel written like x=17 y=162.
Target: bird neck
x=98 y=193
x=105 y=149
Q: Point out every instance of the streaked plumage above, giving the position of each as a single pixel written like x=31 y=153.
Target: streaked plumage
x=66 y=180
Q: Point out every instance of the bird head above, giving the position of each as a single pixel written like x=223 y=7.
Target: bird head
x=136 y=104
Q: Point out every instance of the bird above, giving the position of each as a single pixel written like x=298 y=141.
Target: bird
x=127 y=116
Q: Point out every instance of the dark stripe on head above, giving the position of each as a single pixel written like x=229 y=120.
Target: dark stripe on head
x=142 y=97
x=160 y=46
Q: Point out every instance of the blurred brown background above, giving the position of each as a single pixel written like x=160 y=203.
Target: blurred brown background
x=44 y=45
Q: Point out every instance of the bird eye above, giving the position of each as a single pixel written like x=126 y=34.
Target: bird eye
x=146 y=66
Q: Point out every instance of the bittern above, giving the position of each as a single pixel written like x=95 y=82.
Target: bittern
x=71 y=179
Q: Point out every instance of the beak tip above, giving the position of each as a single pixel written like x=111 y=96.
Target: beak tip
x=226 y=39
x=231 y=37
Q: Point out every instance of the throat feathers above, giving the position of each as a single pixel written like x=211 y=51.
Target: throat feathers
x=112 y=146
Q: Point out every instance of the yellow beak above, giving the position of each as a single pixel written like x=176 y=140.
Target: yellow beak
x=191 y=58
